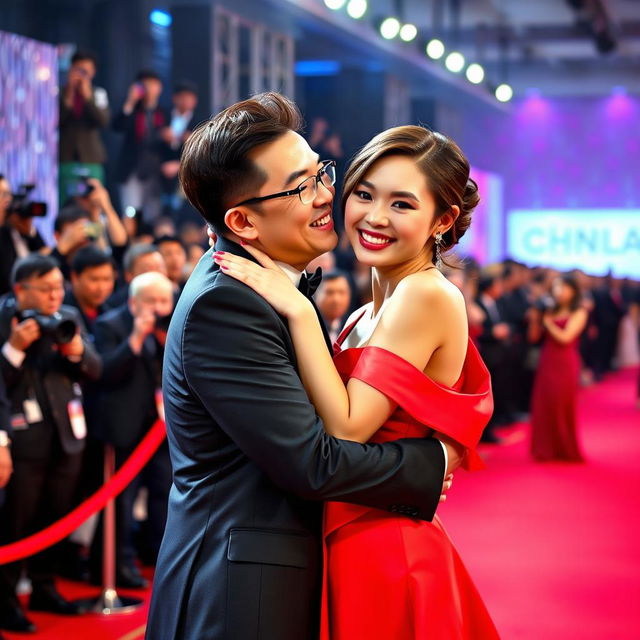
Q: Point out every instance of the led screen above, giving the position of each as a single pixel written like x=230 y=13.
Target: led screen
x=594 y=240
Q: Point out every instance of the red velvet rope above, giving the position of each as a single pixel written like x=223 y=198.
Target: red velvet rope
x=118 y=483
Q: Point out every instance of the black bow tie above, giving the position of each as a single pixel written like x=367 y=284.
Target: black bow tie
x=310 y=282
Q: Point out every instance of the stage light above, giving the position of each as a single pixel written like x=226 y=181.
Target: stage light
x=389 y=28
x=504 y=93
x=454 y=62
x=43 y=74
x=408 y=32
x=161 y=18
x=435 y=49
x=310 y=68
x=335 y=4
x=475 y=73
x=357 y=8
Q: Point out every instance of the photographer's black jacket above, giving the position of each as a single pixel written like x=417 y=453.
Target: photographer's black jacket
x=49 y=376
x=9 y=255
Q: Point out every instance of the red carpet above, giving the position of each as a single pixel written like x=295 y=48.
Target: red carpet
x=554 y=548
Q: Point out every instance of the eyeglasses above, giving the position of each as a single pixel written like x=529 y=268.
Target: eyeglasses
x=44 y=289
x=307 y=190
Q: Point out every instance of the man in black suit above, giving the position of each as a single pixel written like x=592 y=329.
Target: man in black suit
x=92 y=282
x=610 y=307
x=333 y=300
x=6 y=466
x=181 y=123
x=130 y=340
x=141 y=120
x=42 y=371
x=493 y=344
x=241 y=554
x=18 y=236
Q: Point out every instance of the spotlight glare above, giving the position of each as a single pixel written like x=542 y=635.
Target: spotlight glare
x=389 y=28
x=475 y=73
x=504 y=93
x=454 y=62
x=435 y=49
x=357 y=8
x=335 y=4
x=160 y=17
x=408 y=32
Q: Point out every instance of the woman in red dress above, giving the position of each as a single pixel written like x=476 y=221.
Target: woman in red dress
x=404 y=367
x=555 y=390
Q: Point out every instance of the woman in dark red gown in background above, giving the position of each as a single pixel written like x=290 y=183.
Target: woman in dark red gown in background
x=555 y=391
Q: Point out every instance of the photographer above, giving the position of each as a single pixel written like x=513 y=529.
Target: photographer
x=84 y=111
x=6 y=466
x=139 y=258
x=18 y=235
x=131 y=342
x=106 y=228
x=43 y=359
x=142 y=121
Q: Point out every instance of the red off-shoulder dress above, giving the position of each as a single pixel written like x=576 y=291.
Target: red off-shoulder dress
x=388 y=577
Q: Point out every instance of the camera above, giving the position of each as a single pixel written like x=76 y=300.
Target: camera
x=93 y=230
x=60 y=329
x=83 y=188
x=25 y=208
x=544 y=304
x=80 y=187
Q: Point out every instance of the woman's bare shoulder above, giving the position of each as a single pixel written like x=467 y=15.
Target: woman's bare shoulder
x=430 y=288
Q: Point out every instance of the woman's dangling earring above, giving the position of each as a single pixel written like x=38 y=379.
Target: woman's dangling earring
x=438 y=250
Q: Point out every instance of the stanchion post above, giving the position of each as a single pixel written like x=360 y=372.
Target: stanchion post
x=109 y=602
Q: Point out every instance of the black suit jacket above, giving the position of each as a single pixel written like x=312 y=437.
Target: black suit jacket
x=8 y=255
x=125 y=401
x=493 y=351
x=51 y=378
x=5 y=415
x=241 y=553
x=141 y=156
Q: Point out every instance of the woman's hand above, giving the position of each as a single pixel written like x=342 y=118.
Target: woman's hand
x=268 y=280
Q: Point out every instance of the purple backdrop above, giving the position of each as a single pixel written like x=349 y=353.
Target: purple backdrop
x=29 y=119
x=560 y=154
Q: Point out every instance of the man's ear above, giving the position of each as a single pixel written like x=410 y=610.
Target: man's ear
x=240 y=222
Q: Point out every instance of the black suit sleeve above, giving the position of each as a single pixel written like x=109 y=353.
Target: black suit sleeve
x=236 y=362
x=5 y=409
x=117 y=356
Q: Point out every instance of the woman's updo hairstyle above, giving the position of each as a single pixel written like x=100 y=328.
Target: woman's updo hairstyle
x=442 y=162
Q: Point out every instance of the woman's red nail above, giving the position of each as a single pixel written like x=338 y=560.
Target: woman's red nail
x=243 y=243
x=224 y=267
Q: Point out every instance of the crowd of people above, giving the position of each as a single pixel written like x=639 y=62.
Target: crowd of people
x=83 y=324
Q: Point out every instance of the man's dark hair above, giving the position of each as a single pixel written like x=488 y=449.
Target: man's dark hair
x=33 y=265
x=215 y=171
x=84 y=55
x=169 y=239
x=69 y=214
x=88 y=257
x=485 y=282
x=147 y=74
x=186 y=86
x=334 y=275
x=134 y=252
